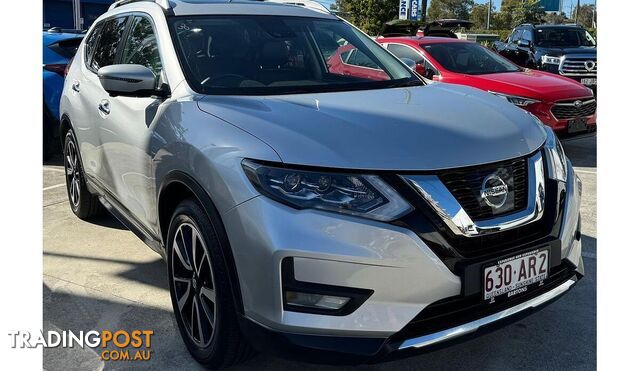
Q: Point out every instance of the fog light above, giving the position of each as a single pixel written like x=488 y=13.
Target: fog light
x=302 y=299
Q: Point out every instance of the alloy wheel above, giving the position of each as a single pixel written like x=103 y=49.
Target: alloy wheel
x=72 y=171
x=193 y=284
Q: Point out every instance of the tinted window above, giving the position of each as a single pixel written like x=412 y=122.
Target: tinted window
x=360 y=59
x=527 y=35
x=91 y=42
x=66 y=48
x=561 y=37
x=281 y=55
x=402 y=51
x=515 y=36
x=110 y=36
x=469 y=58
x=141 y=46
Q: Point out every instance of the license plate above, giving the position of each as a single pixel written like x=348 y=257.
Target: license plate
x=511 y=276
x=591 y=81
x=577 y=125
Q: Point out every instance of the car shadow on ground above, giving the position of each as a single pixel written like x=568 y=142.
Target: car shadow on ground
x=582 y=151
x=153 y=273
x=96 y=312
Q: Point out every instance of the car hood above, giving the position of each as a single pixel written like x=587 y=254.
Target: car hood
x=558 y=52
x=420 y=128
x=539 y=85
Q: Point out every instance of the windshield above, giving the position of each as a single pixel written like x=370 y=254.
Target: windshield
x=262 y=55
x=469 y=58
x=563 y=37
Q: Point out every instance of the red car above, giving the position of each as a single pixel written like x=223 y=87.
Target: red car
x=349 y=61
x=559 y=102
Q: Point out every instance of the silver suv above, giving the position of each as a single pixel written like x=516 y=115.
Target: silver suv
x=312 y=196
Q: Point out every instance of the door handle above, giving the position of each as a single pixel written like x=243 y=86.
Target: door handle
x=104 y=107
x=76 y=86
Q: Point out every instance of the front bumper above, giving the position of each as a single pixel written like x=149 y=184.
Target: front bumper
x=543 y=112
x=408 y=278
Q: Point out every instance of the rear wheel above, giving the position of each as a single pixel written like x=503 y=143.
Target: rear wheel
x=200 y=290
x=82 y=202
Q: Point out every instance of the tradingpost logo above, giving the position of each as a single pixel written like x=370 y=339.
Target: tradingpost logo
x=120 y=345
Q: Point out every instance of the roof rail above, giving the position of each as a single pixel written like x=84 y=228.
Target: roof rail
x=310 y=4
x=164 y=4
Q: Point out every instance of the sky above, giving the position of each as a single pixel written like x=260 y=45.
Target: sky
x=566 y=4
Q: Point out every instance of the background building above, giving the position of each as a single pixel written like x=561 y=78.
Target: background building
x=551 y=5
x=60 y=13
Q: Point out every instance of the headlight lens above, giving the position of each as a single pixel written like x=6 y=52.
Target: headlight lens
x=548 y=59
x=362 y=195
x=518 y=101
x=556 y=159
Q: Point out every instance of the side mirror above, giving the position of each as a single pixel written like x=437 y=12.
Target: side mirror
x=132 y=80
x=421 y=70
x=524 y=43
x=429 y=73
x=409 y=62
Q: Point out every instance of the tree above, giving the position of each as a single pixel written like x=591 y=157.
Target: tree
x=555 y=18
x=459 y=9
x=479 y=15
x=368 y=15
x=529 y=11
x=585 y=15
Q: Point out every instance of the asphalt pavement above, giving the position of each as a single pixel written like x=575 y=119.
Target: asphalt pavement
x=98 y=275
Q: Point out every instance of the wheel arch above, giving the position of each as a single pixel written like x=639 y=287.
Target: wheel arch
x=65 y=125
x=178 y=186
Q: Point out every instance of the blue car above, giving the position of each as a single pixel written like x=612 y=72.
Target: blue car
x=58 y=49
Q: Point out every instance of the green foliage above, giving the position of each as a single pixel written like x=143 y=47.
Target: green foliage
x=368 y=15
x=459 y=9
x=585 y=16
x=479 y=15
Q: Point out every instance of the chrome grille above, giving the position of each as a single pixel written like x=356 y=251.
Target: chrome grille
x=465 y=185
x=571 y=110
x=578 y=66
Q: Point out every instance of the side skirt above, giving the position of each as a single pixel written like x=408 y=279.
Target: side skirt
x=125 y=217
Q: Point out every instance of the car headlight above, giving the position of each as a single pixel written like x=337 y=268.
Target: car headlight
x=548 y=59
x=518 y=101
x=361 y=195
x=556 y=159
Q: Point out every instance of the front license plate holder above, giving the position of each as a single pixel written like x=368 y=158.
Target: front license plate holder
x=577 y=125
x=513 y=275
x=589 y=81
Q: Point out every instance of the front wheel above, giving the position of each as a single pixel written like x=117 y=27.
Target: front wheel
x=201 y=291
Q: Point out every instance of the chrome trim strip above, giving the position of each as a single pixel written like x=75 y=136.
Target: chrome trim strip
x=460 y=223
x=572 y=103
x=582 y=72
x=473 y=326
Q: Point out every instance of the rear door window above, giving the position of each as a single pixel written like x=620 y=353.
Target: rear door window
x=107 y=49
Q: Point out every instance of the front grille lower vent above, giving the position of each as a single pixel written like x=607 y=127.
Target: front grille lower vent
x=466 y=186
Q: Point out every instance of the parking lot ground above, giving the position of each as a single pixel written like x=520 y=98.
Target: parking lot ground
x=99 y=276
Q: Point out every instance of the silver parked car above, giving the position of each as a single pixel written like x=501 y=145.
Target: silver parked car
x=311 y=194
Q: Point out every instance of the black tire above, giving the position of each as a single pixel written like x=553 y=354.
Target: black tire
x=218 y=342
x=84 y=204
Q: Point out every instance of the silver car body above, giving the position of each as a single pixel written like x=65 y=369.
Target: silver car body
x=132 y=151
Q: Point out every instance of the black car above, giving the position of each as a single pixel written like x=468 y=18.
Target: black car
x=568 y=50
